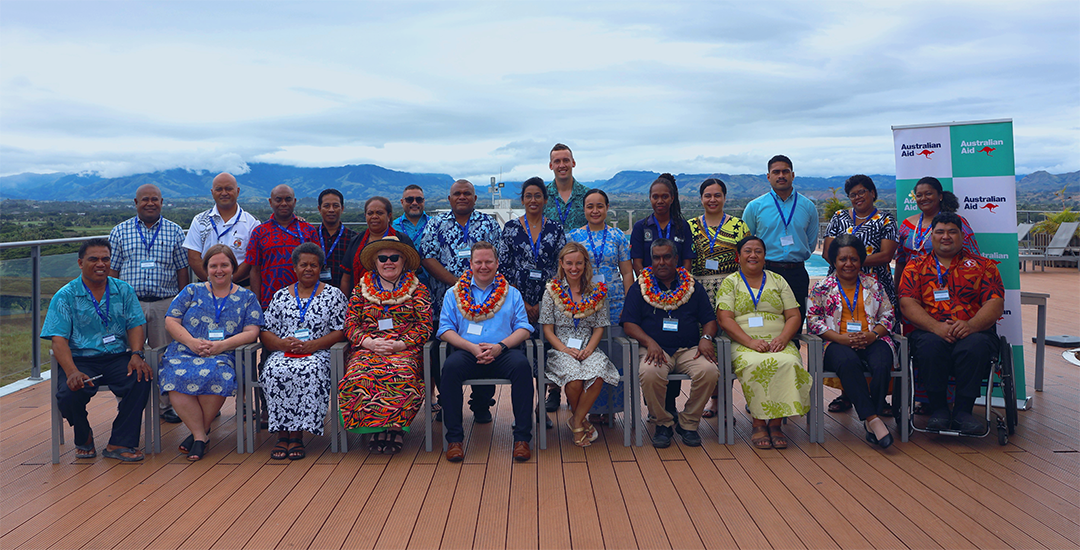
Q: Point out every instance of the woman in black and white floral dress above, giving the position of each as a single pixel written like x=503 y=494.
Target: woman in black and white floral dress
x=301 y=324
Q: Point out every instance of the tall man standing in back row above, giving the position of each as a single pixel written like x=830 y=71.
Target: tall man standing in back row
x=788 y=223
x=566 y=203
x=148 y=254
x=226 y=223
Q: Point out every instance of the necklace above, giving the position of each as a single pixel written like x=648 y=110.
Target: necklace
x=560 y=294
x=666 y=300
x=472 y=311
x=375 y=294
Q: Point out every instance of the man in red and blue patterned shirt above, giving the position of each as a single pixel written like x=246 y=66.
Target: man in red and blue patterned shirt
x=269 y=251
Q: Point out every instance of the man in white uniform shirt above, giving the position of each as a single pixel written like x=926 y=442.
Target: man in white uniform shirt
x=226 y=223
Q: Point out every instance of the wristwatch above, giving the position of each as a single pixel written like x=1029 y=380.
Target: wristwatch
x=503 y=346
x=140 y=353
x=707 y=337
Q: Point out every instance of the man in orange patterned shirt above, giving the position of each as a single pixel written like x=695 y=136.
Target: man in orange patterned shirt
x=954 y=300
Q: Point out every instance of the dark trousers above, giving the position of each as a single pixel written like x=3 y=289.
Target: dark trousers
x=511 y=364
x=799 y=281
x=851 y=366
x=132 y=394
x=967 y=361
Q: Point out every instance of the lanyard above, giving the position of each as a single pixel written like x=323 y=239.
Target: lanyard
x=853 y=218
x=218 y=308
x=920 y=238
x=598 y=255
x=97 y=305
x=757 y=298
x=940 y=281
x=563 y=214
x=303 y=307
x=535 y=245
x=465 y=231
x=791 y=215
x=239 y=212
x=299 y=234
x=420 y=228
x=322 y=243
x=712 y=236
x=855 y=299
x=397 y=285
x=665 y=234
x=138 y=228
x=573 y=301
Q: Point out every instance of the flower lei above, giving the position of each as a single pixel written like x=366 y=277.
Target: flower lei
x=479 y=312
x=375 y=295
x=669 y=299
x=560 y=294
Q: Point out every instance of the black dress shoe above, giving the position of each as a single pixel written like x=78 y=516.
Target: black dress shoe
x=661 y=439
x=966 y=423
x=482 y=416
x=554 y=399
x=170 y=416
x=939 y=420
x=884 y=442
x=690 y=438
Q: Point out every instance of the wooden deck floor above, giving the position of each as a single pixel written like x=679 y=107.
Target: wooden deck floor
x=933 y=492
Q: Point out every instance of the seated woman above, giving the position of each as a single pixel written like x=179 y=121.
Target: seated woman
x=759 y=313
x=303 y=321
x=574 y=313
x=206 y=321
x=853 y=313
x=388 y=321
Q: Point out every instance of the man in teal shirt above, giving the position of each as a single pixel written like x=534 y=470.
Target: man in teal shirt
x=566 y=197
x=413 y=221
x=92 y=322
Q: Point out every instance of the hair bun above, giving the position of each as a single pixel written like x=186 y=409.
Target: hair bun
x=668 y=177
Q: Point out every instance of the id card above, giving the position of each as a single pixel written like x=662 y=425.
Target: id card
x=108 y=339
x=535 y=275
x=474 y=328
x=147 y=265
x=597 y=278
x=756 y=322
x=325 y=275
x=464 y=253
x=787 y=240
x=854 y=327
x=712 y=264
x=941 y=295
x=575 y=343
x=302 y=334
x=386 y=324
x=671 y=325
x=216 y=335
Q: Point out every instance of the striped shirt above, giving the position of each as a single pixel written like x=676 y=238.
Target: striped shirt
x=148 y=257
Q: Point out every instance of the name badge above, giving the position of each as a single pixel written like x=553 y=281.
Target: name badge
x=854 y=327
x=216 y=335
x=386 y=324
x=303 y=335
x=671 y=325
x=787 y=240
x=712 y=264
x=755 y=322
x=535 y=274
x=941 y=295
x=575 y=343
x=108 y=339
x=599 y=279
x=464 y=253
x=325 y=275
x=146 y=265
x=474 y=328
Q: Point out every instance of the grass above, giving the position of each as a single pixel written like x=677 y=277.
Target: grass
x=15 y=348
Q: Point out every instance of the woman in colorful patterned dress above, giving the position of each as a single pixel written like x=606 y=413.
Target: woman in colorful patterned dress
x=574 y=313
x=303 y=321
x=758 y=311
x=388 y=321
x=207 y=321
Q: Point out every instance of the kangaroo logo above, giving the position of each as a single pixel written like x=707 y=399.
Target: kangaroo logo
x=926 y=153
x=990 y=206
x=987 y=150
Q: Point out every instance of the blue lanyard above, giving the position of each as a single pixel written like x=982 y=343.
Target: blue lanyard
x=229 y=227
x=535 y=245
x=303 y=307
x=299 y=234
x=563 y=214
x=218 y=308
x=757 y=298
x=420 y=228
x=712 y=237
x=855 y=298
x=465 y=231
x=940 y=282
x=598 y=255
x=378 y=283
x=665 y=234
x=97 y=305
x=856 y=229
x=919 y=240
x=791 y=215
x=322 y=243
x=138 y=228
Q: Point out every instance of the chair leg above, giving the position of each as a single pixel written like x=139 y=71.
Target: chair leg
x=57 y=420
x=428 y=405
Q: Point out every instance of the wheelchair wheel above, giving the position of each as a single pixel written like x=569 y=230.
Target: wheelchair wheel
x=1008 y=387
x=1003 y=436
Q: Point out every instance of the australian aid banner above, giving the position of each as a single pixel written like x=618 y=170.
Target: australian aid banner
x=974 y=160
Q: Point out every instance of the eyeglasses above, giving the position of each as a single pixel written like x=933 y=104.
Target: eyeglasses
x=391 y=258
x=857 y=194
x=410 y=200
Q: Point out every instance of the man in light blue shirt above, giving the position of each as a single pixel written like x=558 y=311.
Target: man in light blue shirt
x=487 y=324
x=413 y=221
x=788 y=223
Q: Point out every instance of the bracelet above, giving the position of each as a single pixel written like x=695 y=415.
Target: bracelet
x=503 y=346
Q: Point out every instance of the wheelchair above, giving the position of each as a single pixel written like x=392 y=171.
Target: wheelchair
x=1001 y=376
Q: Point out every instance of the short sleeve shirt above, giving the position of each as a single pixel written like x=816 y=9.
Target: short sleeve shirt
x=72 y=316
x=148 y=257
x=270 y=251
x=207 y=229
x=716 y=243
x=444 y=237
x=971 y=280
x=519 y=260
x=692 y=315
x=765 y=219
x=570 y=214
x=646 y=231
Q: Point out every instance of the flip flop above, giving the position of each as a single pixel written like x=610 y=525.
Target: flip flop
x=90 y=449
x=761 y=442
x=118 y=454
x=708 y=413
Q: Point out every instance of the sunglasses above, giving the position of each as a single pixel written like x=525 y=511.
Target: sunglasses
x=410 y=200
x=391 y=258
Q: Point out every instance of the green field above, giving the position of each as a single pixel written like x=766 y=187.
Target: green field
x=15 y=350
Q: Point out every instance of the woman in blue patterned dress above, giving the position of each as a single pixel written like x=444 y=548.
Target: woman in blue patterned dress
x=206 y=321
x=529 y=248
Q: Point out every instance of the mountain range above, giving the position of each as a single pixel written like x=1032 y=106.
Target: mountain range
x=367 y=180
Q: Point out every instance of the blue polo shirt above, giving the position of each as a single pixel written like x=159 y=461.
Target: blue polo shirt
x=72 y=316
x=692 y=315
x=405 y=225
x=646 y=231
x=510 y=317
x=764 y=220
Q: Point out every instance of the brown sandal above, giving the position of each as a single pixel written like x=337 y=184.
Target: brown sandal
x=761 y=442
x=779 y=440
x=580 y=435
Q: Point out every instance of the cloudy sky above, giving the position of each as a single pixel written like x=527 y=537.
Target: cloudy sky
x=474 y=89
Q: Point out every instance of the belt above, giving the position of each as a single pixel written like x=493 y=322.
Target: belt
x=151 y=299
x=783 y=265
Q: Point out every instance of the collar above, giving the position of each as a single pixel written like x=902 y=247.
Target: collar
x=138 y=220
x=214 y=212
x=784 y=201
x=472 y=284
x=322 y=228
x=423 y=217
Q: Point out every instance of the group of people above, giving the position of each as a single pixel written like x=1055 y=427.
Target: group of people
x=560 y=270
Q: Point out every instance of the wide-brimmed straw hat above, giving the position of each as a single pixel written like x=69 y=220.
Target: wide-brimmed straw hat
x=372 y=248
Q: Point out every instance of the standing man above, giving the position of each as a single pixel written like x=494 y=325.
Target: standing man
x=226 y=223
x=148 y=254
x=414 y=220
x=568 y=205
x=334 y=237
x=96 y=327
x=269 y=251
x=788 y=223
